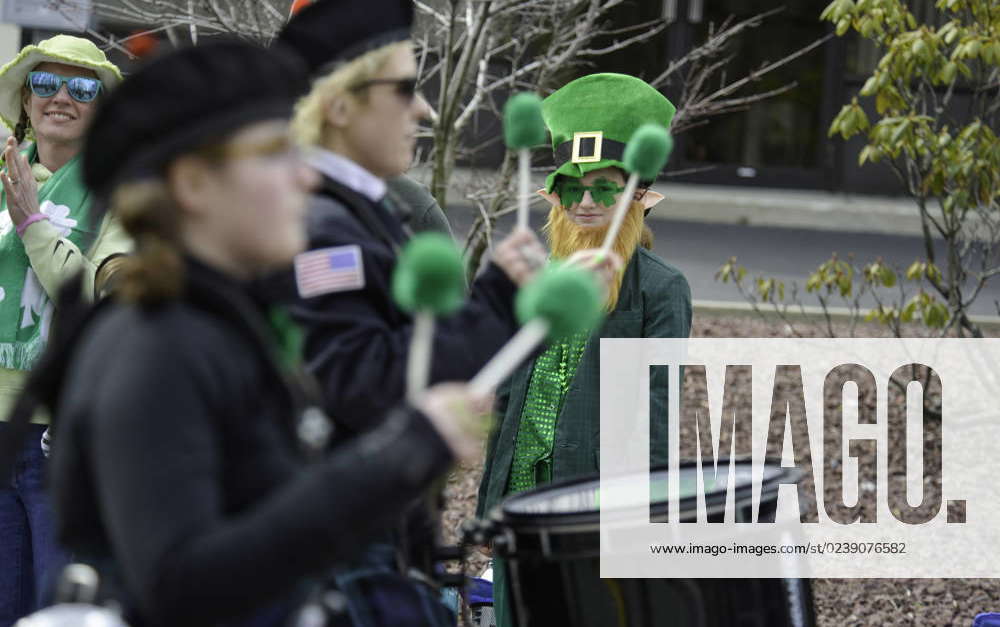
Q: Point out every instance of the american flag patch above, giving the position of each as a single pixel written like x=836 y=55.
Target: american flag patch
x=329 y=270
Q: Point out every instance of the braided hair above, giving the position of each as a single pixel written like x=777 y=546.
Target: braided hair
x=23 y=122
x=154 y=273
x=21 y=129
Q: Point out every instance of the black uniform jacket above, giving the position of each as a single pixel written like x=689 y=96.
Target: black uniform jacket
x=357 y=341
x=177 y=462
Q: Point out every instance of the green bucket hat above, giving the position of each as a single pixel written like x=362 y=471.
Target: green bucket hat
x=59 y=49
x=591 y=119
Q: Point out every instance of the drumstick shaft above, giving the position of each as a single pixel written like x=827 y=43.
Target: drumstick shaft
x=418 y=362
x=619 y=217
x=524 y=182
x=509 y=358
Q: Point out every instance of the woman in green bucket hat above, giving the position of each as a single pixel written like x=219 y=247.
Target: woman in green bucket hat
x=48 y=94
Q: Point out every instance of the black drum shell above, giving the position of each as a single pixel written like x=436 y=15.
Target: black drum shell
x=553 y=569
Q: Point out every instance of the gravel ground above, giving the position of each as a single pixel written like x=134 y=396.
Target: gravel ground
x=838 y=602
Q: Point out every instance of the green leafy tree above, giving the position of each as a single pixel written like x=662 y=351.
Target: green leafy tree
x=936 y=97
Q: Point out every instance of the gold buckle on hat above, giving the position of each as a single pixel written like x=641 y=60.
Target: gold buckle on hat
x=595 y=156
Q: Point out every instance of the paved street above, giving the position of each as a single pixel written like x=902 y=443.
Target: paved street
x=699 y=249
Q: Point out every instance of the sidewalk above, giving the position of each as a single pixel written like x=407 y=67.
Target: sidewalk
x=808 y=209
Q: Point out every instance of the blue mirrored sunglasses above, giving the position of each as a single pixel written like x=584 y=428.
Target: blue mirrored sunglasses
x=80 y=88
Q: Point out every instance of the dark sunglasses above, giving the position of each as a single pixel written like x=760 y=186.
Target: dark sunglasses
x=80 y=88
x=405 y=87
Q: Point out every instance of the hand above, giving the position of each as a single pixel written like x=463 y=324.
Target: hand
x=520 y=255
x=451 y=409
x=605 y=266
x=483 y=406
x=18 y=184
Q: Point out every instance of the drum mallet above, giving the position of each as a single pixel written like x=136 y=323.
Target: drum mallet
x=560 y=302
x=645 y=155
x=523 y=128
x=428 y=281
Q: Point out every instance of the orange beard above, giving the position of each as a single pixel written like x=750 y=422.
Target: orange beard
x=566 y=237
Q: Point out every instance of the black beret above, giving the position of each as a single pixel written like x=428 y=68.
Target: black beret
x=328 y=32
x=183 y=100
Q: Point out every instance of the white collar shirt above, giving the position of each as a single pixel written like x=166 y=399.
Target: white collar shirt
x=347 y=173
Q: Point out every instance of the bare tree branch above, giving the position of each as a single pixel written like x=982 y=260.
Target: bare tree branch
x=257 y=20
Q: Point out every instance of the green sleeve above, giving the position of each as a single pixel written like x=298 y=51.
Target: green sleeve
x=499 y=413
x=426 y=214
x=667 y=314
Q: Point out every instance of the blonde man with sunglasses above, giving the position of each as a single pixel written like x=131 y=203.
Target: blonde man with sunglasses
x=359 y=125
x=48 y=95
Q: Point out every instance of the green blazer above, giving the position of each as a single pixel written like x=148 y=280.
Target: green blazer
x=654 y=301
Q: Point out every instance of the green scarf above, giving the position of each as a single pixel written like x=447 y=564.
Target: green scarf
x=25 y=308
x=550 y=379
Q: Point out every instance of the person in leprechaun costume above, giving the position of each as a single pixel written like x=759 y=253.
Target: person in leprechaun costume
x=548 y=411
x=48 y=94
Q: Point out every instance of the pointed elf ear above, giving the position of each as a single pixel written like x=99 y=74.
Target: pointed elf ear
x=551 y=197
x=651 y=199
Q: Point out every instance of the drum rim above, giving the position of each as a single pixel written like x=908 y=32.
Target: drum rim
x=521 y=520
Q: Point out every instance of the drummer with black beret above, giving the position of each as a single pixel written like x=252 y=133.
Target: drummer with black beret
x=359 y=124
x=188 y=467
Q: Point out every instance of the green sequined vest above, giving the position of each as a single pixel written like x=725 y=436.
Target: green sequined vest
x=550 y=379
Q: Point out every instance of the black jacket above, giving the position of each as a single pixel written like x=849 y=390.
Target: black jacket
x=357 y=341
x=178 y=461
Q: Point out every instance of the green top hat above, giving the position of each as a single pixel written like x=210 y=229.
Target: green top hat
x=59 y=49
x=592 y=118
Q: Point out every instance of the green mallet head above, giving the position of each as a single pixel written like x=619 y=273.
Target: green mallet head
x=429 y=275
x=523 y=126
x=569 y=299
x=648 y=150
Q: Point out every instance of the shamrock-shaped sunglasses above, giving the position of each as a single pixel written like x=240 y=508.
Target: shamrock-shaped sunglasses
x=80 y=88
x=571 y=190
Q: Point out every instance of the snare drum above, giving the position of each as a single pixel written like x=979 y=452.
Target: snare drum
x=549 y=539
